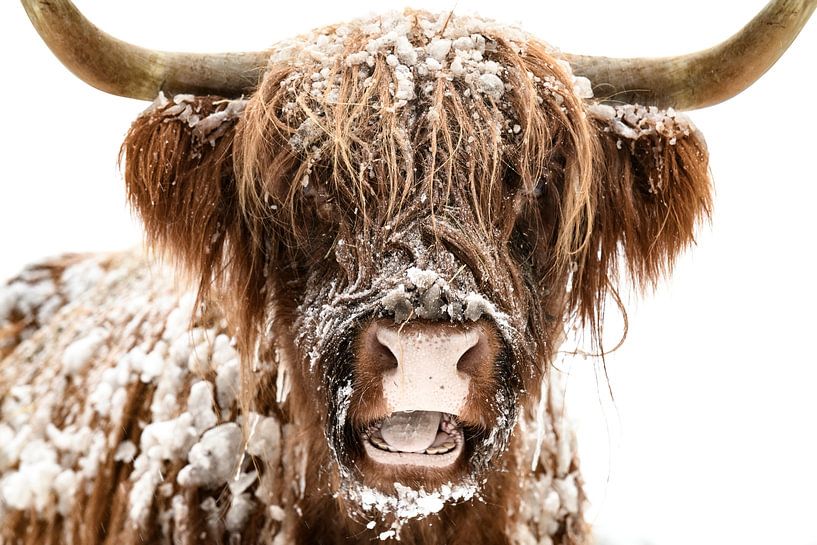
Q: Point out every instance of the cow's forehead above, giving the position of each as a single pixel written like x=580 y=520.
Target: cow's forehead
x=419 y=47
x=380 y=114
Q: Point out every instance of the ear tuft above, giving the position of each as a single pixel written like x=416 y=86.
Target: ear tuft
x=652 y=190
x=179 y=176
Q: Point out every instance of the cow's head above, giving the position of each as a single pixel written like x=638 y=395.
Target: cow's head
x=410 y=208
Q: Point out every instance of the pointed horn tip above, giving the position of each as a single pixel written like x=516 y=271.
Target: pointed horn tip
x=703 y=78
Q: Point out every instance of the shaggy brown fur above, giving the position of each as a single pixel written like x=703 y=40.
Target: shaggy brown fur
x=540 y=220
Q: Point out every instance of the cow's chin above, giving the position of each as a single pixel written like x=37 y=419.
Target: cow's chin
x=419 y=449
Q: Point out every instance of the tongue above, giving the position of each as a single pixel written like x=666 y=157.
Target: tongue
x=412 y=431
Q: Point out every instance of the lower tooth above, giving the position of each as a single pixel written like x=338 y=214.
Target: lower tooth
x=440 y=449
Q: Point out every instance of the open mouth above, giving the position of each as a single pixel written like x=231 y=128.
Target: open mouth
x=417 y=438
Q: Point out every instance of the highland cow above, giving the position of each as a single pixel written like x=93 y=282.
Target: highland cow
x=373 y=237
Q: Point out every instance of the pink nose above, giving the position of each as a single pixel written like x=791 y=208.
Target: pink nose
x=427 y=367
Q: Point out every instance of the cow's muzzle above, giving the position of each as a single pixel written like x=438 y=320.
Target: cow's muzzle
x=428 y=373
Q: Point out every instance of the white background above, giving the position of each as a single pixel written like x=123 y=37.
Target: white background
x=711 y=439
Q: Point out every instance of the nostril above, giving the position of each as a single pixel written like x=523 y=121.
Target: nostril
x=380 y=356
x=385 y=359
x=469 y=362
x=475 y=358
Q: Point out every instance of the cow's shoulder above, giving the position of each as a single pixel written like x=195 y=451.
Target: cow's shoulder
x=119 y=407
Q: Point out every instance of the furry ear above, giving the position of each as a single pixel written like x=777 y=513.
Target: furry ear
x=651 y=190
x=178 y=160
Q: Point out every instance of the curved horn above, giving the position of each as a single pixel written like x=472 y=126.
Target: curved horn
x=123 y=69
x=704 y=78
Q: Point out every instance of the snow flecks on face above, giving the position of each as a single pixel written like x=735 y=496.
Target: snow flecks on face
x=408 y=503
x=426 y=295
x=343 y=400
x=398 y=303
